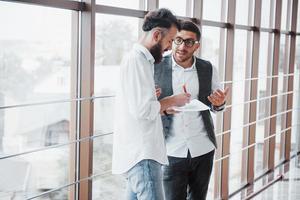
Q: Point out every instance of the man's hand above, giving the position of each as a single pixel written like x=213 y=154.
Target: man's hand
x=181 y=99
x=171 y=111
x=174 y=100
x=157 y=91
x=218 y=97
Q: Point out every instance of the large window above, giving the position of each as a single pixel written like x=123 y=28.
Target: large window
x=178 y=7
x=263 y=102
x=298 y=17
x=115 y=36
x=281 y=98
x=265 y=15
x=237 y=122
x=132 y=4
x=244 y=15
x=284 y=16
x=35 y=62
x=212 y=49
x=35 y=65
x=211 y=46
x=213 y=10
x=295 y=146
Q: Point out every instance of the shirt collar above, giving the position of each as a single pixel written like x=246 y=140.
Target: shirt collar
x=144 y=51
x=176 y=66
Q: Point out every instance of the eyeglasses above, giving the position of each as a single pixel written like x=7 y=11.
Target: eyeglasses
x=187 y=42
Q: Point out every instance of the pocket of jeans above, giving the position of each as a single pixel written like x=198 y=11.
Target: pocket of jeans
x=134 y=169
x=166 y=173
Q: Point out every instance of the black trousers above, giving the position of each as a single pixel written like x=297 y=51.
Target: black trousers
x=187 y=178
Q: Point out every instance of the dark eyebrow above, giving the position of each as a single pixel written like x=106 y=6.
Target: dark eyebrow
x=186 y=38
x=190 y=39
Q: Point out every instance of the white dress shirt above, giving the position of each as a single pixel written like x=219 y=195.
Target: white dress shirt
x=138 y=132
x=188 y=131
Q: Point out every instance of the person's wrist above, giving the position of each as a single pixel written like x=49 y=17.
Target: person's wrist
x=165 y=113
x=219 y=108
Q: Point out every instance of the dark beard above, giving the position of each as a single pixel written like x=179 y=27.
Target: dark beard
x=156 y=52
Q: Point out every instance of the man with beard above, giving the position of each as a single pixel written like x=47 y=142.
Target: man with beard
x=190 y=137
x=139 y=148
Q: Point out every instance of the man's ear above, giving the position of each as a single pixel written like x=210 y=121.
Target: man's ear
x=197 y=46
x=156 y=35
x=196 y=51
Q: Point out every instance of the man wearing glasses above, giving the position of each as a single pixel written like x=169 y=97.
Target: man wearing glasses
x=190 y=137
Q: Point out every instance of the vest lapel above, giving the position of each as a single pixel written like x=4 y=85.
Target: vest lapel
x=165 y=79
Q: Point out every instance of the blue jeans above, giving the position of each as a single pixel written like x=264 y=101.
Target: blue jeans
x=144 y=181
x=187 y=178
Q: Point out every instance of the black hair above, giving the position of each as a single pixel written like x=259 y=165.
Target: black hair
x=162 y=18
x=190 y=26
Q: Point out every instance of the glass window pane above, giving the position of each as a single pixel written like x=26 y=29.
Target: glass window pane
x=212 y=10
x=104 y=115
x=211 y=50
x=61 y=194
x=279 y=127
x=35 y=53
x=296 y=107
x=32 y=174
x=242 y=12
x=115 y=35
x=210 y=45
x=272 y=16
x=265 y=13
x=132 y=4
x=263 y=105
x=178 y=7
x=284 y=15
x=237 y=121
x=281 y=99
x=235 y=171
x=105 y=185
x=298 y=21
x=296 y=103
x=33 y=127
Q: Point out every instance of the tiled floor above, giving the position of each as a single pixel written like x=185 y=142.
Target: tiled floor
x=286 y=189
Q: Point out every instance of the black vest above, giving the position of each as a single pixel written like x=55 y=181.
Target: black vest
x=163 y=78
